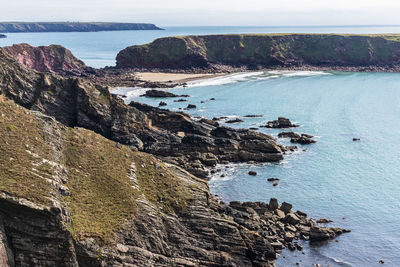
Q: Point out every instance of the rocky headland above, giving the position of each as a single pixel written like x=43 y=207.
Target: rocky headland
x=53 y=59
x=266 y=51
x=73 y=26
x=90 y=181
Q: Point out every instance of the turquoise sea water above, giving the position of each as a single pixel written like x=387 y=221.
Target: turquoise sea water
x=357 y=184
x=98 y=49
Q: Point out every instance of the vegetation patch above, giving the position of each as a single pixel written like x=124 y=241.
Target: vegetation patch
x=23 y=174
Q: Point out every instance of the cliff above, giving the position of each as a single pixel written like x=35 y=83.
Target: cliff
x=73 y=26
x=53 y=58
x=265 y=51
x=73 y=197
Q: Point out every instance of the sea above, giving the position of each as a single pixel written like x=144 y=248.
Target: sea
x=354 y=183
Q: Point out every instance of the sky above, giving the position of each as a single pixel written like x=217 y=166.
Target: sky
x=207 y=12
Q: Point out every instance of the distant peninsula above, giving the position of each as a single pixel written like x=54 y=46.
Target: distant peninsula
x=13 y=27
x=3 y=36
x=263 y=51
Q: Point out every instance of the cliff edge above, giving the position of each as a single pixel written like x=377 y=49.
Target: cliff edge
x=265 y=51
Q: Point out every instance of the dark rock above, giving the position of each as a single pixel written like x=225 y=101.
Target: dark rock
x=180 y=100
x=324 y=220
x=212 y=98
x=286 y=207
x=303 y=140
x=253 y=116
x=288 y=135
x=273 y=204
x=273 y=179
x=162 y=104
x=158 y=93
x=237 y=120
x=211 y=122
x=275 y=184
x=281 y=122
x=190 y=106
x=356 y=139
x=252 y=173
x=322 y=233
x=307 y=135
x=292 y=219
x=382 y=262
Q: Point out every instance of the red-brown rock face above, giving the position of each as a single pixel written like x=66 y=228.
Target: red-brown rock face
x=53 y=58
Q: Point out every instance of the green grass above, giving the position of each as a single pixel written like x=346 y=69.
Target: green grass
x=102 y=196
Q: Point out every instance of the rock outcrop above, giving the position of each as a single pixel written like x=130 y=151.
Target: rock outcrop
x=70 y=197
x=73 y=26
x=3 y=36
x=162 y=94
x=265 y=51
x=53 y=59
x=175 y=136
x=281 y=122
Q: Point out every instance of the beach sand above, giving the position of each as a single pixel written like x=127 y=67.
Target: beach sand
x=174 y=77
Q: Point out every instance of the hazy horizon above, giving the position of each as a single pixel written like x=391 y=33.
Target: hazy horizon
x=209 y=12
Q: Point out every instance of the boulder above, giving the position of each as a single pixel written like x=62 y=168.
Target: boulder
x=292 y=219
x=281 y=122
x=286 y=207
x=273 y=204
x=191 y=106
x=303 y=140
x=288 y=135
x=252 y=173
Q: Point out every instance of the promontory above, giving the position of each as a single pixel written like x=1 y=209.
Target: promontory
x=257 y=51
x=73 y=26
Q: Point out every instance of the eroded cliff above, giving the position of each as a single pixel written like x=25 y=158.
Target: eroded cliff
x=265 y=50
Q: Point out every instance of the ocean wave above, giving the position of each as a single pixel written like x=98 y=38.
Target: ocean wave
x=257 y=76
x=130 y=92
x=228 y=79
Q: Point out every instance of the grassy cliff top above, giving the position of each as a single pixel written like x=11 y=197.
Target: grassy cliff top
x=98 y=180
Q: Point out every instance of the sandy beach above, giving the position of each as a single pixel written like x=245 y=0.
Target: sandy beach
x=164 y=77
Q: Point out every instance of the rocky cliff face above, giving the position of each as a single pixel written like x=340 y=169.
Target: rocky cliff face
x=53 y=59
x=73 y=26
x=174 y=136
x=275 y=50
x=71 y=197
